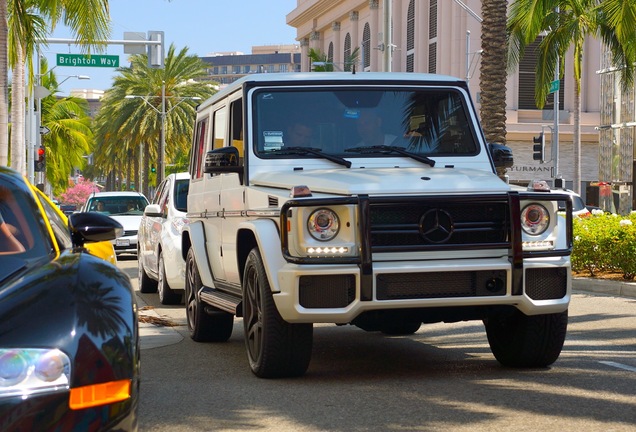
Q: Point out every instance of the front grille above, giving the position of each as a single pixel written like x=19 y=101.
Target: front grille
x=439 y=223
x=546 y=283
x=130 y=233
x=425 y=285
x=329 y=291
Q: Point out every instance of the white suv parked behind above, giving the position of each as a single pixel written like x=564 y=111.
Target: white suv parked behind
x=161 y=264
x=368 y=199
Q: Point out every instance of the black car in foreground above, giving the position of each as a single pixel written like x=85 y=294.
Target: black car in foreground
x=69 y=340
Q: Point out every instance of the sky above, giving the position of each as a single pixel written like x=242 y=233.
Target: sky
x=204 y=26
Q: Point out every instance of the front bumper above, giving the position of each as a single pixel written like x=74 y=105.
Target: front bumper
x=48 y=412
x=340 y=293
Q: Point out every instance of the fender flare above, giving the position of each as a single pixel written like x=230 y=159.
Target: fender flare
x=197 y=241
x=267 y=239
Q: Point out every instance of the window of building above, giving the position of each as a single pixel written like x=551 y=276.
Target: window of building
x=223 y=70
x=246 y=69
x=215 y=70
x=347 y=52
x=366 y=46
x=432 y=57
x=236 y=69
x=432 y=37
x=410 y=37
x=282 y=68
x=527 y=74
x=271 y=68
x=432 y=20
x=330 y=53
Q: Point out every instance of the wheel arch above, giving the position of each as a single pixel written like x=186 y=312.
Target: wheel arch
x=264 y=234
x=194 y=238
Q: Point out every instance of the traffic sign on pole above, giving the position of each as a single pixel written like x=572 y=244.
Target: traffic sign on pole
x=92 y=60
x=554 y=86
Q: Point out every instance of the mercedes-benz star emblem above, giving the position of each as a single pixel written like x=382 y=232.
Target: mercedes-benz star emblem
x=436 y=226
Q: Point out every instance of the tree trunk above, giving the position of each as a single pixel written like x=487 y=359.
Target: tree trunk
x=18 y=148
x=493 y=70
x=576 y=180
x=4 y=85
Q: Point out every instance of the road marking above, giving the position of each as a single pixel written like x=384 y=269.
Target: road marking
x=619 y=365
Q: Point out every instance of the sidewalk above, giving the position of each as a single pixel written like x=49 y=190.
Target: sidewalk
x=604 y=286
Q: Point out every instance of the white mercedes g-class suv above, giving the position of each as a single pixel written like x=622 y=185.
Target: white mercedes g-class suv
x=368 y=199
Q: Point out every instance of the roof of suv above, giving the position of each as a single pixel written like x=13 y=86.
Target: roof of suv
x=299 y=78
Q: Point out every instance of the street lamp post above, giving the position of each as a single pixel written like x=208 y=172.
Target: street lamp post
x=163 y=114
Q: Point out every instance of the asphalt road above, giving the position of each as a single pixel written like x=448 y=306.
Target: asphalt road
x=442 y=378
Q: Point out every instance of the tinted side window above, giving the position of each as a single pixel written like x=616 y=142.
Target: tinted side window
x=198 y=149
x=181 y=195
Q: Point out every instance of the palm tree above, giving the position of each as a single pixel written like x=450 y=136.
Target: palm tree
x=567 y=24
x=25 y=27
x=320 y=62
x=4 y=85
x=70 y=136
x=492 y=72
x=88 y=19
x=127 y=127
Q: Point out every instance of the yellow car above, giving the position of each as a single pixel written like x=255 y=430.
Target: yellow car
x=104 y=249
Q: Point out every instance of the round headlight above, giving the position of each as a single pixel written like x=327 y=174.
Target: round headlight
x=14 y=368
x=323 y=224
x=51 y=365
x=535 y=219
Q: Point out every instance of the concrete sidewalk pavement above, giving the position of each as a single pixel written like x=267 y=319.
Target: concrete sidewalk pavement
x=604 y=286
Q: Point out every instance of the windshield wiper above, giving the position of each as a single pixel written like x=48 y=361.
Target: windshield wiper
x=313 y=151
x=392 y=149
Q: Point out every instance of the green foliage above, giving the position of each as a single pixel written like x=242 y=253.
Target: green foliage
x=605 y=242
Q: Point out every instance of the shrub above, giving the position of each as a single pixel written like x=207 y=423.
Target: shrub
x=78 y=193
x=605 y=242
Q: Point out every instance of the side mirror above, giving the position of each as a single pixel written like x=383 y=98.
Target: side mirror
x=153 y=210
x=88 y=227
x=501 y=155
x=222 y=160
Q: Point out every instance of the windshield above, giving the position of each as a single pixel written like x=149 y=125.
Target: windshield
x=118 y=205
x=428 y=122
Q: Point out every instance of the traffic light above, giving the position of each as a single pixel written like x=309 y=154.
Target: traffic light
x=538 y=147
x=153 y=169
x=40 y=160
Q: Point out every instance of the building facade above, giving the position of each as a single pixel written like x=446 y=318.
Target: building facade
x=225 y=68
x=444 y=36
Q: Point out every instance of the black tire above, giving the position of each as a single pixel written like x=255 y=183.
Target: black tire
x=400 y=328
x=166 y=295
x=146 y=284
x=203 y=326
x=519 y=340
x=275 y=348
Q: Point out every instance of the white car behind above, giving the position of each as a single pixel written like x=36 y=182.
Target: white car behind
x=126 y=208
x=161 y=265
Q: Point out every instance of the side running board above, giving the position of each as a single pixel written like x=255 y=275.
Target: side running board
x=221 y=300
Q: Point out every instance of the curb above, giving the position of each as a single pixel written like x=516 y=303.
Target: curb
x=601 y=286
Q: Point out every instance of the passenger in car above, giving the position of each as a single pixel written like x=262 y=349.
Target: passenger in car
x=298 y=134
x=369 y=126
x=8 y=243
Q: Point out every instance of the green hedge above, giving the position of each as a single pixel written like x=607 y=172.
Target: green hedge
x=605 y=242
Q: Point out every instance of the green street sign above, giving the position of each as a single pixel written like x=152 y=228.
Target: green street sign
x=84 y=60
x=554 y=86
